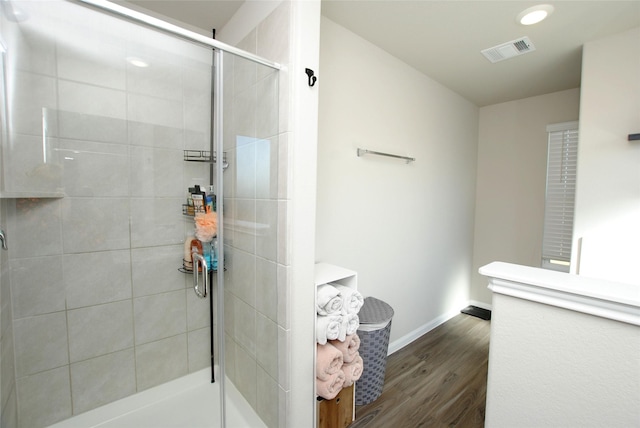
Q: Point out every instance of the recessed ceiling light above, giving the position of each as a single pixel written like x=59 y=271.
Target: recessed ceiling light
x=534 y=14
x=137 y=62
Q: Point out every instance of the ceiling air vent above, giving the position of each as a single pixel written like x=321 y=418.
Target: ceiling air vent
x=508 y=50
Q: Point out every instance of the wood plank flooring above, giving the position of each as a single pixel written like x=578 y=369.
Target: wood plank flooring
x=440 y=380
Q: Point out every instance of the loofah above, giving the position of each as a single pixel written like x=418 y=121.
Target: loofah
x=206 y=226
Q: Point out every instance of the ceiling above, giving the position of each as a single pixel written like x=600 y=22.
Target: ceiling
x=443 y=38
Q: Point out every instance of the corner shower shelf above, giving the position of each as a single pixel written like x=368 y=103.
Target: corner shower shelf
x=191 y=211
x=199 y=156
x=204 y=156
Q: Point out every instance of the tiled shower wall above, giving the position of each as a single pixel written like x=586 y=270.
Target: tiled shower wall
x=8 y=404
x=98 y=308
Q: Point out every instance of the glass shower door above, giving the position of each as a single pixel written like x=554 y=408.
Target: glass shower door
x=252 y=187
x=99 y=113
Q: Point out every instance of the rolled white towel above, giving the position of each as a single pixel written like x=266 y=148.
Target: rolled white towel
x=352 y=300
x=350 y=324
x=328 y=327
x=328 y=300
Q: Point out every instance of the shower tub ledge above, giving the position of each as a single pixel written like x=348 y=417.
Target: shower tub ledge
x=190 y=401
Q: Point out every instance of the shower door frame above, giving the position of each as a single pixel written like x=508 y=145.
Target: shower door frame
x=219 y=48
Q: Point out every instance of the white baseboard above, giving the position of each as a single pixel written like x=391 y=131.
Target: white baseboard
x=482 y=305
x=400 y=343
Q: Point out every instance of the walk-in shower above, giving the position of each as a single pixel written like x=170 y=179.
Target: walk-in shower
x=100 y=105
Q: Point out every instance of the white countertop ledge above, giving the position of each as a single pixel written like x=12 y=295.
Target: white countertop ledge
x=607 y=299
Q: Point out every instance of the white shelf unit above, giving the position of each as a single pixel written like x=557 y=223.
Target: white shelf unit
x=326 y=273
x=339 y=412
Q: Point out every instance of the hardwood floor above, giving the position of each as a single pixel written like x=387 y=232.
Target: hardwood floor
x=440 y=380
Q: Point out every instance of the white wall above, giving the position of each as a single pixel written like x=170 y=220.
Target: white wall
x=406 y=229
x=608 y=182
x=510 y=189
x=553 y=367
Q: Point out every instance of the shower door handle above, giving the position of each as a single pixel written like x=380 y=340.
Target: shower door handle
x=3 y=239
x=198 y=261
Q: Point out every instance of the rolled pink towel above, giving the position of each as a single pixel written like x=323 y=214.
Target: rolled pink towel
x=352 y=371
x=328 y=361
x=328 y=389
x=349 y=347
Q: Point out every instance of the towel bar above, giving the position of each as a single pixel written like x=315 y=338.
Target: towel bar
x=371 y=152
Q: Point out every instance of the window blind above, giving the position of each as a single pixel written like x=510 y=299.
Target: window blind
x=562 y=163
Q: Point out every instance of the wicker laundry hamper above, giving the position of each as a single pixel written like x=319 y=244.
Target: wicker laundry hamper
x=375 y=328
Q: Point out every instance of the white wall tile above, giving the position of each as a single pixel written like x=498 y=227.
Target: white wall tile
x=30 y=94
x=199 y=349
x=81 y=98
x=197 y=308
x=230 y=358
x=284 y=232
x=101 y=380
x=44 y=408
x=246 y=372
x=94 y=169
x=244 y=71
x=40 y=343
x=37 y=224
x=95 y=278
x=157 y=136
x=37 y=52
x=157 y=111
x=87 y=127
x=197 y=97
x=267 y=398
x=160 y=316
x=267 y=241
x=7 y=368
x=229 y=313
x=284 y=358
x=9 y=412
x=244 y=112
x=243 y=224
x=161 y=79
x=99 y=330
x=274 y=33
x=267 y=288
x=245 y=326
x=267 y=105
x=284 y=296
x=154 y=172
x=243 y=276
x=96 y=62
x=161 y=361
x=37 y=286
x=94 y=224
x=245 y=168
x=267 y=345
x=29 y=166
x=267 y=157
x=155 y=269
x=157 y=221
